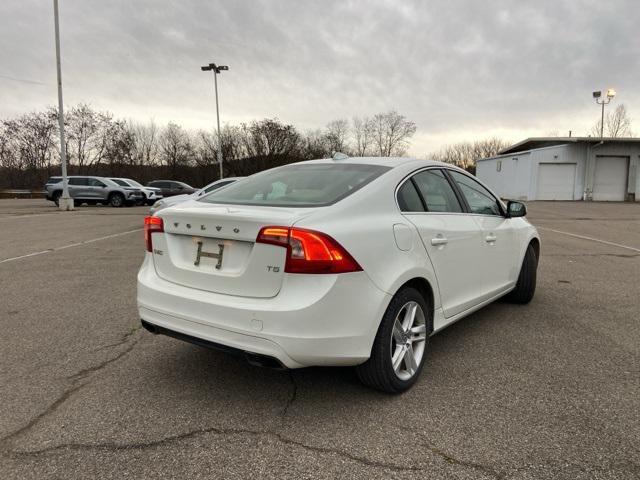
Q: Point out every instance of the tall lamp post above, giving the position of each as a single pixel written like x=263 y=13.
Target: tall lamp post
x=65 y=202
x=597 y=96
x=216 y=69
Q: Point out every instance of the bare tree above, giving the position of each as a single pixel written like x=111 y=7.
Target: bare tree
x=27 y=143
x=314 y=145
x=87 y=135
x=465 y=154
x=146 y=143
x=391 y=133
x=616 y=124
x=120 y=148
x=363 y=133
x=270 y=137
x=337 y=136
x=176 y=148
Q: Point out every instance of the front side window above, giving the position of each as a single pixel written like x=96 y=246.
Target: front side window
x=437 y=192
x=480 y=200
x=299 y=185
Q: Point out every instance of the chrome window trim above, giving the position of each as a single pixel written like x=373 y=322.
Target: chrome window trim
x=437 y=167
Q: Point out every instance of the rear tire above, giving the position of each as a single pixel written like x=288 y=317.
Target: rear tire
x=402 y=340
x=116 y=200
x=526 y=285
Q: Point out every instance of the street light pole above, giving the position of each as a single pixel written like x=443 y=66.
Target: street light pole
x=64 y=202
x=216 y=69
x=597 y=95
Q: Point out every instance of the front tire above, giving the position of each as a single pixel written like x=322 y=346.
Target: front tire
x=400 y=346
x=56 y=198
x=526 y=285
x=116 y=200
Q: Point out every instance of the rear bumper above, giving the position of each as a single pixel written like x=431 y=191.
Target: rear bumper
x=314 y=320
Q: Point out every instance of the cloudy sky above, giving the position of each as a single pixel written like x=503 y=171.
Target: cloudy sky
x=461 y=70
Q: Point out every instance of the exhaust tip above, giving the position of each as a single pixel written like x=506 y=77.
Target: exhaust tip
x=264 y=361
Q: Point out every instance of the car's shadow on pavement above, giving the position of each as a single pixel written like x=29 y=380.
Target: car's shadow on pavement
x=198 y=367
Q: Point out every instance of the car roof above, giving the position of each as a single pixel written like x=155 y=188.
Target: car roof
x=384 y=161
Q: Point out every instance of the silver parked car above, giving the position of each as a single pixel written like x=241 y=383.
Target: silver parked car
x=169 y=201
x=92 y=190
x=151 y=194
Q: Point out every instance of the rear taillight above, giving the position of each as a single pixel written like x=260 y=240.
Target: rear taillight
x=151 y=225
x=309 y=251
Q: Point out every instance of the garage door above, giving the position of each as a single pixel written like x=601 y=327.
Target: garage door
x=610 y=180
x=556 y=181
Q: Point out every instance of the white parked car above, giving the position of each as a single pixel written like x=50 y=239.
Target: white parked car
x=175 y=199
x=354 y=261
x=151 y=195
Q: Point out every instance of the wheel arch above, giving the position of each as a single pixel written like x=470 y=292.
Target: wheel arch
x=535 y=244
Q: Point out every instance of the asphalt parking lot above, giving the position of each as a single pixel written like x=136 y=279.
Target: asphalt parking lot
x=547 y=390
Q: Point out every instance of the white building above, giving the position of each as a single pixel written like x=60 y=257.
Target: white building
x=565 y=168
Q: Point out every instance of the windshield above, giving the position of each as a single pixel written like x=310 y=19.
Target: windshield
x=122 y=183
x=299 y=185
x=133 y=183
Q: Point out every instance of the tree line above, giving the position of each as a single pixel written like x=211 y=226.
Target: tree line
x=97 y=143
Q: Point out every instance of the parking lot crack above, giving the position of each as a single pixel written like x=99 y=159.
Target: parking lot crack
x=456 y=461
x=292 y=397
x=115 y=447
x=76 y=385
x=88 y=371
x=48 y=411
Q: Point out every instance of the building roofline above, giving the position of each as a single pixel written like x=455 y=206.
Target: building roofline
x=516 y=147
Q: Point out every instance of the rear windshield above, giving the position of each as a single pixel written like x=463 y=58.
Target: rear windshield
x=309 y=185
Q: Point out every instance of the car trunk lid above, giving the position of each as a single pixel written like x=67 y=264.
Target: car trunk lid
x=212 y=247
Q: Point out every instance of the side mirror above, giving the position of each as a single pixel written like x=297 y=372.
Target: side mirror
x=516 y=209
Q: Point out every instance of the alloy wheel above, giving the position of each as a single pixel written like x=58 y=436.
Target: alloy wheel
x=408 y=340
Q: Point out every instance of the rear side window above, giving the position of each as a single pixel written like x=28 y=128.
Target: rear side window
x=480 y=200
x=94 y=182
x=81 y=181
x=408 y=198
x=217 y=186
x=437 y=192
x=307 y=185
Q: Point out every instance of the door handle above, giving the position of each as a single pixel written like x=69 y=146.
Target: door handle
x=439 y=241
x=490 y=238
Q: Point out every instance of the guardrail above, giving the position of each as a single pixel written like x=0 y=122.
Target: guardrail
x=15 y=193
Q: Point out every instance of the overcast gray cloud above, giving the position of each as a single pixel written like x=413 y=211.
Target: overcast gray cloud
x=460 y=70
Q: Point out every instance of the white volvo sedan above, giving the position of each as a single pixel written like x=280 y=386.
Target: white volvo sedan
x=349 y=261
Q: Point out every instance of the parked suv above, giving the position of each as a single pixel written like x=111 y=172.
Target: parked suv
x=171 y=187
x=92 y=190
x=151 y=194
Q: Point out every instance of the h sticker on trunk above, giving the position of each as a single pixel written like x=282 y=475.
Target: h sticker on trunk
x=218 y=256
